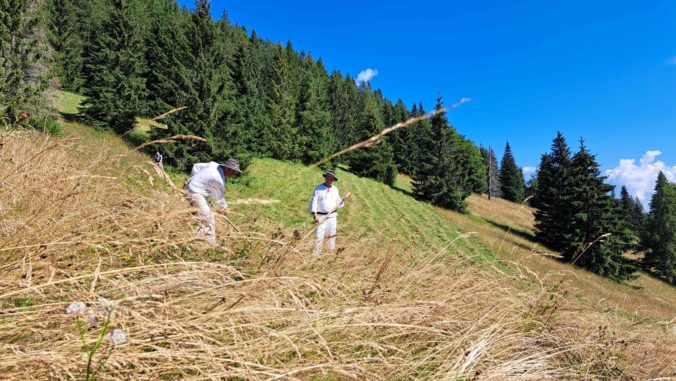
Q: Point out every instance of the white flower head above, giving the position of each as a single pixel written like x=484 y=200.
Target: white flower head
x=91 y=320
x=77 y=309
x=107 y=306
x=117 y=337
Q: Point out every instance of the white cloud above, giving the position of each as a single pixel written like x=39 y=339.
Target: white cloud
x=640 y=179
x=672 y=61
x=366 y=75
x=529 y=172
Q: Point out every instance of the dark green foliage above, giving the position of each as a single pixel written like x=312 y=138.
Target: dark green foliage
x=448 y=166
x=21 y=71
x=553 y=171
x=375 y=162
x=595 y=236
x=632 y=211
x=512 y=185
x=114 y=85
x=65 y=36
x=659 y=236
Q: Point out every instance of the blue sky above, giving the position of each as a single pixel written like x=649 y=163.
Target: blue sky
x=602 y=70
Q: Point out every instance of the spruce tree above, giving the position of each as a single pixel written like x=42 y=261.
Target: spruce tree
x=64 y=34
x=595 y=236
x=631 y=211
x=448 y=166
x=375 y=162
x=550 y=215
x=115 y=86
x=21 y=79
x=659 y=235
x=281 y=109
x=511 y=178
x=314 y=118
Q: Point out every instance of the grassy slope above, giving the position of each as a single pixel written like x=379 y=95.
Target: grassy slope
x=504 y=229
x=361 y=314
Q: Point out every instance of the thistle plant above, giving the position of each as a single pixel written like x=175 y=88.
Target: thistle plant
x=104 y=333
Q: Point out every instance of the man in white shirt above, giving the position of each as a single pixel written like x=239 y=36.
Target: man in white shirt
x=208 y=180
x=324 y=206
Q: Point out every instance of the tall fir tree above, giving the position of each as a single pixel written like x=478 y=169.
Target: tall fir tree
x=552 y=174
x=632 y=212
x=511 y=178
x=281 y=108
x=375 y=162
x=21 y=80
x=595 y=236
x=314 y=118
x=65 y=37
x=115 y=86
x=659 y=235
x=448 y=166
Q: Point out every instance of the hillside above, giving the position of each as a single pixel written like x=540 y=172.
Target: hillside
x=415 y=292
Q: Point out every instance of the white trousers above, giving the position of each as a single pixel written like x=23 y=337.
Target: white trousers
x=207 y=228
x=326 y=229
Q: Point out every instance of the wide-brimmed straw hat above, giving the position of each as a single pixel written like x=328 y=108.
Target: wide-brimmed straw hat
x=232 y=164
x=329 y=173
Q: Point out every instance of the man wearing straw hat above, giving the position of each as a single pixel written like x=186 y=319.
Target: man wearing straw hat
x=207 y=180
x=324 y=206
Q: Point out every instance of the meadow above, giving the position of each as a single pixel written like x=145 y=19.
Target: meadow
x=413 y=291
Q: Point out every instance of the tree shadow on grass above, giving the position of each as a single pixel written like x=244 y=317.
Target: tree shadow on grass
x=521 y=233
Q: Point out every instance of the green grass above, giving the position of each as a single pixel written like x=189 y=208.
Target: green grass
x=373 y=210
x=65 y=102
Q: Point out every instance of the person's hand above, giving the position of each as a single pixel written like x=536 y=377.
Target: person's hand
x=225 y=211
x=346 y=196
x=316 y=219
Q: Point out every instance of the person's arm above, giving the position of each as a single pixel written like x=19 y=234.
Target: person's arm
x=313 y=205
x=341 y=201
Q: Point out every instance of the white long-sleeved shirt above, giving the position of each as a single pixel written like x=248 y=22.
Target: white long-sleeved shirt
x=208 y=180
x=325 y=199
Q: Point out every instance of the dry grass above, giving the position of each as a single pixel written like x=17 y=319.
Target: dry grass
x=86 y=217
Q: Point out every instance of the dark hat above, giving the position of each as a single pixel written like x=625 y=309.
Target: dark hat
x=332 y=175
x=232 y=164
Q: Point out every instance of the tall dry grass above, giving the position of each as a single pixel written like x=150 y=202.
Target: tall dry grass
x=82 y=219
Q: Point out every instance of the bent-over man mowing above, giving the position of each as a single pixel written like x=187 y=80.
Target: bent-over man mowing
x=208 y=180
x=324 y=206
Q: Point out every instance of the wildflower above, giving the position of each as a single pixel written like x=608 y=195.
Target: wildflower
x=77 y=309
x=91 y=320
x=107 y=306
x=117 y=337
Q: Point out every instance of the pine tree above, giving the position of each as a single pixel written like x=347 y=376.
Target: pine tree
x=375 y=162
x=551 y=211
x=659 y=235
x=314 y=119
x=595 y=236
x=631 y=211
x=66 y=40
x=114 y=85
x=21 y=79
x=281 y=108
x=511 y=178
x=448 y=166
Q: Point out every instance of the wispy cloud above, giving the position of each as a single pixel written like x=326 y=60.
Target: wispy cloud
x=640 y=178
x=366 y=75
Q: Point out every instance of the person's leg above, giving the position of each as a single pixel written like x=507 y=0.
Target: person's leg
x=319 y=237
x=331 y=231
x=207 y=219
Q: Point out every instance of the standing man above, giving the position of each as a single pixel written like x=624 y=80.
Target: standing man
x=208 y=180
x=324 y=206
x=158 y=160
